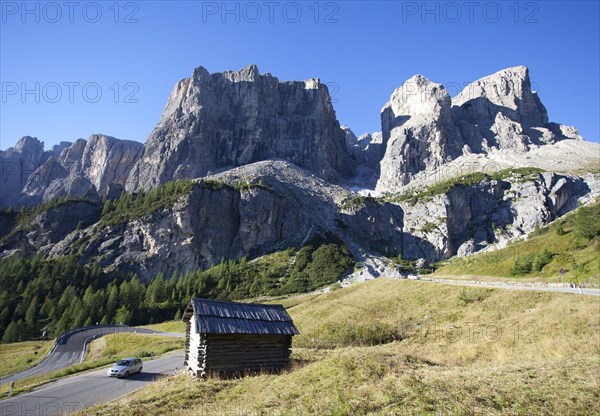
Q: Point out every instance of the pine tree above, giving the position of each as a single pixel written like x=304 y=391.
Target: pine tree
x=107 y=207
x=12 y=333
x=113 y=302
x=123 y=316
x=31 y=318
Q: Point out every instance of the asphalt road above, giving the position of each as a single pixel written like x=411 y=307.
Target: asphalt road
x=515 y=286
x=82 y=391
x=69 y=348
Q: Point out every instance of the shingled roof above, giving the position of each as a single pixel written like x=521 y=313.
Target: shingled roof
x=220 y=317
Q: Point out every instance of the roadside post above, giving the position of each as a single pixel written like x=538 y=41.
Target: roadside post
x=562 y=277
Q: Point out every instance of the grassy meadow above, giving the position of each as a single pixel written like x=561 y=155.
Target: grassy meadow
x=19 y=356
x=393 y=347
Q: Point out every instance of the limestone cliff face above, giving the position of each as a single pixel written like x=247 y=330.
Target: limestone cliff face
x=418 y=132
x=501 y=111
x=214 y=122
x=86 y=168
x=286 y=206
x=283 y=206
x=48 y=228
x=469 y=219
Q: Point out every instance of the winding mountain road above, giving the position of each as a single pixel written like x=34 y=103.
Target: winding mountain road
x=82 y=391
x=69 y=348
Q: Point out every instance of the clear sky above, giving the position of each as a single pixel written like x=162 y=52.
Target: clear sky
x=72 y=69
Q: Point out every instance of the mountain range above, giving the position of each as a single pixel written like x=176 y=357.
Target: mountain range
x=260 y=165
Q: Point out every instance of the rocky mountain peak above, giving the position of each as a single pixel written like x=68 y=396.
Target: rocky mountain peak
x=28 y=144
x=501 y=111
x=417 y=97
x=249 y=73
x=199 y=73
x=423 y=129
x=218 y=121
x=16 y=164
x=507 y=91
x=418 y=132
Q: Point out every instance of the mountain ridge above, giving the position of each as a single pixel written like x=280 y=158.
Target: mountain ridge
x=286 y=170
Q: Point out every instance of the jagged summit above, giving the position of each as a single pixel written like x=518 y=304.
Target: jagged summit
x=418 y=131
x=502 y=111
x=222 y=120
x=419 y=96
x=90 y=168
x=249 y=73
x=423 y=130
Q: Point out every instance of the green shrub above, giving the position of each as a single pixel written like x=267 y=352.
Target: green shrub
x=316 y=264
x=534 y=262
x=587 y=222
x=428 y=227
x=358 y=201
x=538 y=230
x=132 y=206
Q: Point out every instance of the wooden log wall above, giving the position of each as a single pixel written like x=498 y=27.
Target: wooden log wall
x=226 y=354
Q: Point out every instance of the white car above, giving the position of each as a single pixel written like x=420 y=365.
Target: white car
x=125 y=367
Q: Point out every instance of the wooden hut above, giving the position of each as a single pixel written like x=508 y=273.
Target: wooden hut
x=228 y=338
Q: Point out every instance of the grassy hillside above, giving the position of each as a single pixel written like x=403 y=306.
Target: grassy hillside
x=19 y=356
x=113 y=347
x=570 y=243
x=168 y=326
x=405 y=347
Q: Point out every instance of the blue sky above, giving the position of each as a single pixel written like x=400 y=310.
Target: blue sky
x=69 y=70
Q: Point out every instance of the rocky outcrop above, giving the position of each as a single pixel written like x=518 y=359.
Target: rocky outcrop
x=418 y=132
x=49 y=227
x=280 y=206
x=372 y=148
x=366 y=150
x=423 y=130
x=18 y=163
x=85 y=169
x=214 y=122
x=469 y=219
x=272 y=205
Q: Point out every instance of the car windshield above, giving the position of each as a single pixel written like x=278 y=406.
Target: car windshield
x=124 y=362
